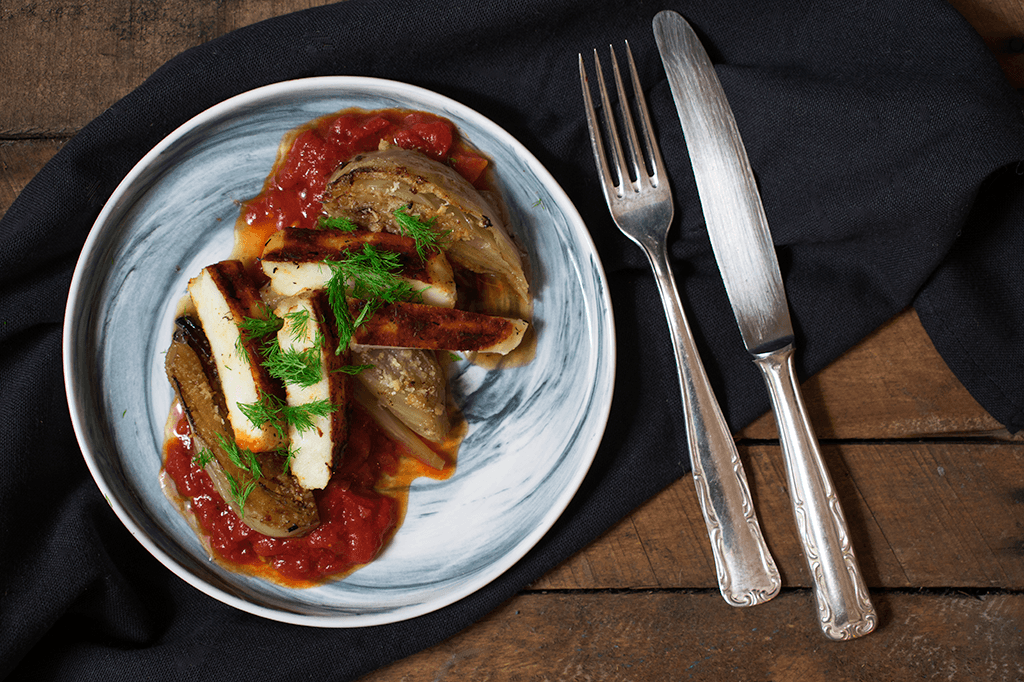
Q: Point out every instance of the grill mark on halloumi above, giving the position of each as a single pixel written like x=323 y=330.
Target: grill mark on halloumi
x=413 y=325
x=293 y=260
x=224 y=296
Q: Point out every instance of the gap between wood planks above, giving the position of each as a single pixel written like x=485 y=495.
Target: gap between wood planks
x=973 y=592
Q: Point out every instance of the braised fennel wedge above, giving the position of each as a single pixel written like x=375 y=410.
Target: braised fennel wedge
x=375 y=189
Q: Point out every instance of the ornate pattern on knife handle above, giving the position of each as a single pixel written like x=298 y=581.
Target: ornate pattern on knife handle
x=844 y=605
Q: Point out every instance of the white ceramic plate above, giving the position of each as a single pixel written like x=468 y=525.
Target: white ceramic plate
x=533 y=431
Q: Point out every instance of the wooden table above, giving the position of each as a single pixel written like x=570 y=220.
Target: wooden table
x=932 y=485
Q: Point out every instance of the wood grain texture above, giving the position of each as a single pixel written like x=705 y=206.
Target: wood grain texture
x=75 y=59
x=696 y=636
x=928 y=515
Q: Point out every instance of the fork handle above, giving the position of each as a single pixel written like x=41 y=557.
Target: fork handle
x=844 y=606
x=746 y=572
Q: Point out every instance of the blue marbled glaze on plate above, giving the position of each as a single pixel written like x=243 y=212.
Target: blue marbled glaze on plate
x=533 y=430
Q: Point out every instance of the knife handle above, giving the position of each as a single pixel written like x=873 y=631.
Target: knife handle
x=844 y=605
x=746 y=572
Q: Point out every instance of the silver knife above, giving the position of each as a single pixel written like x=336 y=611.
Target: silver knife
x=746 y=258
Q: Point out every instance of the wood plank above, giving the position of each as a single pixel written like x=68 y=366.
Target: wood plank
x=678 y=636
x=921 y=514
x=893 y=384
x=74 y=60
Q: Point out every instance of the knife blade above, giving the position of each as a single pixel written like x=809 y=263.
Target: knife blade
x=742 y=244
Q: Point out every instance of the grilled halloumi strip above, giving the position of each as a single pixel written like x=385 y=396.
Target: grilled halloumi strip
x=372 y=186
x=293 y=260
x=413 y=325
x=224 y=296
x=308 y=324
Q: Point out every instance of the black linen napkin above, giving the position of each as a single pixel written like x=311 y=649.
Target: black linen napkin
x=886 y=142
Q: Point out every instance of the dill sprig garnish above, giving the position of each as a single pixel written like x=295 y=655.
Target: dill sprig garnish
x=339 y=223
x=240 y=493
x=353 y=369
x=298 y=324
x=266 y=410
x=202 y=458
x=270 y=409
x=369 y=275
x=298 y=366
x=245 y=460
x=422 y=232
x=255 y=329
x=294 y=366
x=301 y=416
x=287 y=455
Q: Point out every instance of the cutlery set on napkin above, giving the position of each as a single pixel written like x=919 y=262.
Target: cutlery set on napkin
x=743 y=248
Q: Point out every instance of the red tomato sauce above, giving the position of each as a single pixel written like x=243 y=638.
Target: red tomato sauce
x=356 y=519
x=292 y=195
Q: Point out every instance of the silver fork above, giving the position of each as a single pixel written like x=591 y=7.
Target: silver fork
x=640 y=202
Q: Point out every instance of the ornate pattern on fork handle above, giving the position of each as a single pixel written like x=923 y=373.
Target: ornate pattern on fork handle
x=746 y=572
x=737 y=590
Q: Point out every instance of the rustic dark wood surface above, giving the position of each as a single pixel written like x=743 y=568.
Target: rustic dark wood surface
x=932 y=485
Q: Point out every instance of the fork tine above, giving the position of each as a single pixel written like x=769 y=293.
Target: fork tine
x=636 y=156
x=654 y=153
x=595 y=133
x=618 y=158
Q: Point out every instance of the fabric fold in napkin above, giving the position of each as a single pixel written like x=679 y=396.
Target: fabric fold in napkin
x=887 y=145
